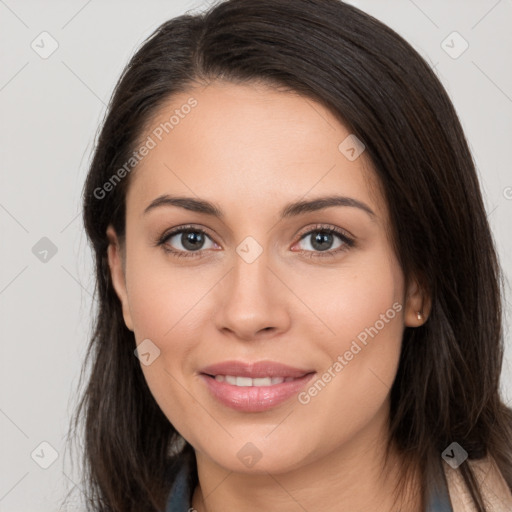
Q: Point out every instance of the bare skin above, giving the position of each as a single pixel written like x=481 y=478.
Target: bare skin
x=251 y=150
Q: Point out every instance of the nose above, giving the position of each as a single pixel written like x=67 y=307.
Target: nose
x=252 y=302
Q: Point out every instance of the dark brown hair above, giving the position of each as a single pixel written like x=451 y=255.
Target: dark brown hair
x=447 y=385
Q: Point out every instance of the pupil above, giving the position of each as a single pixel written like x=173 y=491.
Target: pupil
x=320 y=238
x=192 y=240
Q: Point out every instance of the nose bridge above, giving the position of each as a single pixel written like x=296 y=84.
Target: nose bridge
x=250 y=276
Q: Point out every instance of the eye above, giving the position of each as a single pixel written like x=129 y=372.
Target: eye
x=190 y=239
x=323 y=240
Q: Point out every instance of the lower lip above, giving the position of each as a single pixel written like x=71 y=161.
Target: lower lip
x=254 y=398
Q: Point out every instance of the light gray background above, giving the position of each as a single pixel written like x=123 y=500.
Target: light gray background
x=50 y=112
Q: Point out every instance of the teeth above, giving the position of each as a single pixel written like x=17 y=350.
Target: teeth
x=263 y=381
x=243 y=381
x=247 y=381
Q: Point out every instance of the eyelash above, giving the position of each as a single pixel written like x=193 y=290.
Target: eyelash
x=319 y=228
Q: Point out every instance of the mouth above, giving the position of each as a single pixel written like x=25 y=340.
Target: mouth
x=254 y=387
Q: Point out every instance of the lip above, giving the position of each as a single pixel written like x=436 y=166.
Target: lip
x=254 y=398
x=255 y=370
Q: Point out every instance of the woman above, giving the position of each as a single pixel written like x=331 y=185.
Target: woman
x=236 y=363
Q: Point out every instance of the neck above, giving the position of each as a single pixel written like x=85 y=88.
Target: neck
x=352 y=477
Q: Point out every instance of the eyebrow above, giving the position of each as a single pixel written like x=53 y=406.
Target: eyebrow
x=290 y=210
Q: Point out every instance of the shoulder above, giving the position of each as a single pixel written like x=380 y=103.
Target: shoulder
x=495 y=491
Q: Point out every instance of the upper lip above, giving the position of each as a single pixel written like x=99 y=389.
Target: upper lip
x=258 y=369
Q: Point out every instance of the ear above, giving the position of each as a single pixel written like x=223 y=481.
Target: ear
x=416 y=301
x=117 y=272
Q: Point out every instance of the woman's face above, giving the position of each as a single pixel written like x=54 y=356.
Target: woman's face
x=255 y=285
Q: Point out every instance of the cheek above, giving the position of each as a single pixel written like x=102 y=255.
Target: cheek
x=167 y=308
x=163 y=300
x=347 y=301
x=362 y=313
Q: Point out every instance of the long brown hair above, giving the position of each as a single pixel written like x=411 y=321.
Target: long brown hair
x=447 y=385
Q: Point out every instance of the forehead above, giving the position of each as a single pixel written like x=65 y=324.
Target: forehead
x=249 y=143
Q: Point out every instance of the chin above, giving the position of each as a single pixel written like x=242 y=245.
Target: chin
x=253 y=458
